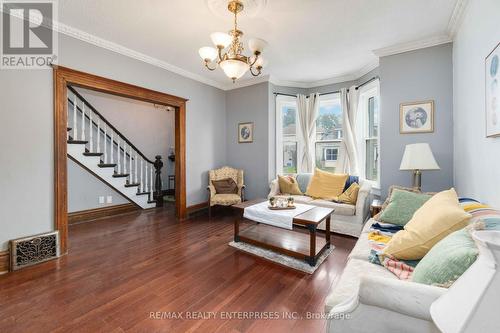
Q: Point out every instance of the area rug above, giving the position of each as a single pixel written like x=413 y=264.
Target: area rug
x=281 y=259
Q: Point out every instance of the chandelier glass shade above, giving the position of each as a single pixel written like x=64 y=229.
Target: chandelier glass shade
x=228 y=51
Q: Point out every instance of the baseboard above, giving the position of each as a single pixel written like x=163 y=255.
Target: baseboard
x=92 y=214
x=196 y=208
x=4 y=261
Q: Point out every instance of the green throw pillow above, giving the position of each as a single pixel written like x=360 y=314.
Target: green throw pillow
x=402 y=206
x=447 y=260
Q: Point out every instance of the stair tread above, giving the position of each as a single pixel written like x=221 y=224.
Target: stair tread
x=132 y=184
x=118 y=175
x=77 y=142
x=106 y=165
x=142 y=193
x=92 y=154
x=151 y=201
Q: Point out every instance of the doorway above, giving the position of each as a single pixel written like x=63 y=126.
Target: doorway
x=64 y=77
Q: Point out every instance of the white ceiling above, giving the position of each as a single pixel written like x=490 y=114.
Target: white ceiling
x=309 y=40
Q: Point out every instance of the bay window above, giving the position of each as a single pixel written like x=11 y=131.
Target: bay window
x=329 y=136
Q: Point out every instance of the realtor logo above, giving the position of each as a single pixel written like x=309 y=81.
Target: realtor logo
x=28 y=38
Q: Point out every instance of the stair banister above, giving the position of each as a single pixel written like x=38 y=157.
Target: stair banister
x=138 y=171
x=91 y=142
x=83 y=122
x=105 y=153
x=75 y=131
x=111 y=127
x=98 y=135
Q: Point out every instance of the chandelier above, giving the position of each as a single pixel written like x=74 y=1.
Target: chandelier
x=233 y=62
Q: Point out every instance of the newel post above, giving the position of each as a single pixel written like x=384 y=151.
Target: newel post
x=158 y=194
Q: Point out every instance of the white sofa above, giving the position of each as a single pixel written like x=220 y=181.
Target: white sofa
x=369 y=298
x=347 y=219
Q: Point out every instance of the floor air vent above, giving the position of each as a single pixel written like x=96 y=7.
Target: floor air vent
x=33 y=250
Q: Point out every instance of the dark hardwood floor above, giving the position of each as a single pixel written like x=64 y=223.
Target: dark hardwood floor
x=122 y=270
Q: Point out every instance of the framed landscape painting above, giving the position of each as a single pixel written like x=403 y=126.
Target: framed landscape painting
x=416 y=117
x=492 y=93
x=245 y=132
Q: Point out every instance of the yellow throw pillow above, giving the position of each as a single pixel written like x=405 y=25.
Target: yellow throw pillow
x=326 y=185
x=439 y=216
x=350 y=196
x=289 y=185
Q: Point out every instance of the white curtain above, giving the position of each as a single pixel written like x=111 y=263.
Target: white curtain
x=348 y=156
x=307 y=110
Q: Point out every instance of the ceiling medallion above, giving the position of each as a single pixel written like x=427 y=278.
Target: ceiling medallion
x=233 y=62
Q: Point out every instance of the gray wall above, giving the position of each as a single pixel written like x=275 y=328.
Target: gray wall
x=84 y=190
x=27 y=157
x=477 y=158
x=249 y=104
x=414 y=76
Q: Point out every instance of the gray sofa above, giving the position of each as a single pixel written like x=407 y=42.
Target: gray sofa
x=347 y=219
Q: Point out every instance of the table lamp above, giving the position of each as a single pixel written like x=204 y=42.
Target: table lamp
x=418 y=157
x=472 y=302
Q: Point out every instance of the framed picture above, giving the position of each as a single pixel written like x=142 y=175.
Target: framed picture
x=416 y=117
x=492 y=93
x=245 y=132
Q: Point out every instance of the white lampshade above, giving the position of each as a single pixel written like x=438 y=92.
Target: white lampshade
x=234 y=69
x=471 y=304
x=207 y=53
x=257 y=44
x=418 y=156
x=221 y=39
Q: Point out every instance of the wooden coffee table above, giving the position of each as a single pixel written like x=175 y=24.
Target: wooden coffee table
x=289 y=242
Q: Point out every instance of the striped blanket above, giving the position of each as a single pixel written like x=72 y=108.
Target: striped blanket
x=380 y=234
x=483 y=217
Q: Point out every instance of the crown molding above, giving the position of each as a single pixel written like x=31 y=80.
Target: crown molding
x=120 y=49
x=457 y=17
x=412 y=46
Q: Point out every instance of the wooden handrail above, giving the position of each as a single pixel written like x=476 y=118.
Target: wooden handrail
x=105 y=121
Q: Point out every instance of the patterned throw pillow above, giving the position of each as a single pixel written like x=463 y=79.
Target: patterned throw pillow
x=350 y=196
x=225 y=186
x=402 y=205
x=447 y=260
x=288 y=185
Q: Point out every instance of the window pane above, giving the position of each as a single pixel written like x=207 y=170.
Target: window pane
x=289 y=157
x=372 y=118
x=289 y=121
x=329 y=122
x=327 y=153
x=372 y=159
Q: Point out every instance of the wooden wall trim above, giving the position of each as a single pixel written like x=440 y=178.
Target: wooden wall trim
x=97 y=213
x=65 y=76
x=4 y=261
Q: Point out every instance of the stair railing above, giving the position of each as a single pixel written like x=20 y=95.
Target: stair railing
x=85 y=123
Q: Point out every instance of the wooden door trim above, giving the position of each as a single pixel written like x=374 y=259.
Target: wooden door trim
x=63 y=77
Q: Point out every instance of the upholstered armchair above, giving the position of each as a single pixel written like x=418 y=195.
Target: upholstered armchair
x=225 y=199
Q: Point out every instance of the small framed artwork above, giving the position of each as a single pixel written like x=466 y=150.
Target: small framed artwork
x=416 y=117
x=245 y=132
x=492 y=72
